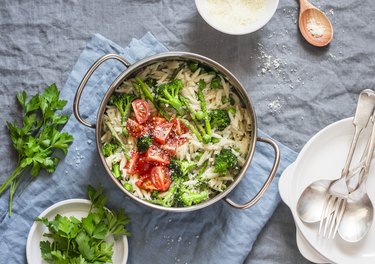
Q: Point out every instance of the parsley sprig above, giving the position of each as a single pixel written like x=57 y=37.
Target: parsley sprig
x=37 y=138
x=84 y=241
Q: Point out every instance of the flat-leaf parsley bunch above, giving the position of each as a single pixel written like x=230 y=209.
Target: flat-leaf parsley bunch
x=84 y=241
x=37 y=138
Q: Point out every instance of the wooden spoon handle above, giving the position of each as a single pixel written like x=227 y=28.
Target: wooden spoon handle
x=305 y=4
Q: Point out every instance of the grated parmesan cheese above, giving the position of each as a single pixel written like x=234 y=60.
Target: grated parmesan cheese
x=316 y=29
x=233 y=15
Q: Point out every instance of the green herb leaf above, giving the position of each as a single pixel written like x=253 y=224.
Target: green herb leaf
x=39 y=136
x=96 y=197
x=45 y=248
x=33 y=104
x=22 y=97
x=51 y=93
x=83 y=241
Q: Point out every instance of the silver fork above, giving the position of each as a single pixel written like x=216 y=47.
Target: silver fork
x=334 y=208
x=338 y=191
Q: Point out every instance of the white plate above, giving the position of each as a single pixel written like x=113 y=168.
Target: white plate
x=73 y=207
x=323 y=158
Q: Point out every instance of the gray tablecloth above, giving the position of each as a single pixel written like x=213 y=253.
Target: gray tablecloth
x=297 y=89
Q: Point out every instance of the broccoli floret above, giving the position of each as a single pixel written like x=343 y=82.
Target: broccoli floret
x=144 y=143
x=216 y=82
x=168 y=94
x=219 y=119
x=189 y=197
x=116 y=170
x=171 y=197
x=180 y=195
x=225 y=161
x=193 y=66
x=180 y=168
x=150 y=82
x=109 y=148
x=123 y=103
x=228 y=99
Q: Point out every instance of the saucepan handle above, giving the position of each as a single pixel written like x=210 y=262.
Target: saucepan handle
x=267 y=182
x=84 y=81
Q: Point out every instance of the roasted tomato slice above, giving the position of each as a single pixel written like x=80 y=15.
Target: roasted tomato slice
x=141 y=110
x=132 y=164
x=143 y=166
x=178 y=127
x=170 y=147
x=157 y=120
x=161 y=132
x=156 y=155
x=145 y=183
x=136 y=129
x=160 y=177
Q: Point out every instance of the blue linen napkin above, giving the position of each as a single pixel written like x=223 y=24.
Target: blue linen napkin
x=215 y=234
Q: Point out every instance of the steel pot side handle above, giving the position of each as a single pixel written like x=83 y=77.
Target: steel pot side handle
x=268 y=180
x=84 y=81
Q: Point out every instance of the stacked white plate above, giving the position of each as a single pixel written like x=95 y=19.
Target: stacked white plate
x=323 y=157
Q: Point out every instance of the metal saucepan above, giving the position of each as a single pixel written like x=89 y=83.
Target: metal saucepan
x=133 y=69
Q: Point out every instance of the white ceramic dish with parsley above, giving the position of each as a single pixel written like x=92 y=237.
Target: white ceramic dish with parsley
x=73 y=207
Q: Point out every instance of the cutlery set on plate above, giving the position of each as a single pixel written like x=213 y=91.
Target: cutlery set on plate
x=343 y=205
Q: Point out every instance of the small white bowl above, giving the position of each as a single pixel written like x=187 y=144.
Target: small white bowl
x=231 y=18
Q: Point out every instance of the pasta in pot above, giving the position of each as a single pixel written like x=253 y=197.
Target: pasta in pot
x=181 y=139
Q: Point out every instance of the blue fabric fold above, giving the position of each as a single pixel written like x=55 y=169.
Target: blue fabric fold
x=216 y=234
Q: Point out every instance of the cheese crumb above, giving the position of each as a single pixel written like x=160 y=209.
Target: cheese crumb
x=315 y=29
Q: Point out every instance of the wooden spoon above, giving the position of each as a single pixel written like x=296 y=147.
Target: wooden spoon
x=314 y=25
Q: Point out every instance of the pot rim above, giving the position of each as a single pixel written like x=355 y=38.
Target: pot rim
x=184 y=56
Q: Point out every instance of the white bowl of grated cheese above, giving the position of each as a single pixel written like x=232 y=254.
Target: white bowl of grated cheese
x=237 y=17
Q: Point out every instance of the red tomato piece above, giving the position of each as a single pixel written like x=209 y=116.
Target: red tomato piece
x=131 y=165
x=143 y=166
x=141 y=110
x=145 y=183
x=160 y=177
x=178 y=127
x=135 y=129
x=156 y=155
x=171 y=146
x=157 y=120
x=161 y=132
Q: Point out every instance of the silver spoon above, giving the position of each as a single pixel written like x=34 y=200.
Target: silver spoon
x=312 y=200
x=359 y=211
